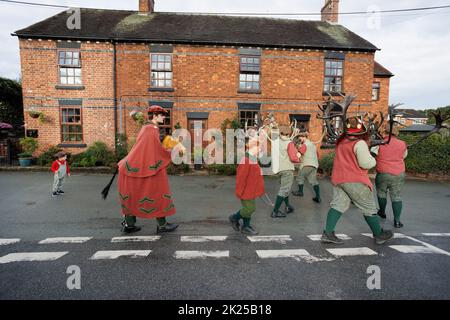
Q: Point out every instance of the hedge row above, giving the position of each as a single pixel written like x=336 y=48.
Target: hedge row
x=429 y=156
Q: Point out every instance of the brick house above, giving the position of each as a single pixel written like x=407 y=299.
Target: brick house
x=409 y=117
x=200 y=67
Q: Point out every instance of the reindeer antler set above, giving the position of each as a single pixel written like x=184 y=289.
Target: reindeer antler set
x=269 y=123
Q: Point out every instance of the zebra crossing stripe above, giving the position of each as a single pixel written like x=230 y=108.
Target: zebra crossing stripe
x=279 y=239
x=396 y=235
x=201 y=254
x=436 y=234
x=343 y=252
x=202 y=238
x=136 y=239
x=114 y=254
x=413 y=249
x=32 y=256
x=286 y=253
x=317 y=237
x=65 y=240
x=4 y=242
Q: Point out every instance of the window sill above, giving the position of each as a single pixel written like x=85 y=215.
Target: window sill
x=250 y=91
x=334 y=94
x=72 y=145
x=59 y=87
x=161 y=89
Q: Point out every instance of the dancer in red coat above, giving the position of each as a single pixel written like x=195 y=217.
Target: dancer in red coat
x=249 y=186
x=143 y=183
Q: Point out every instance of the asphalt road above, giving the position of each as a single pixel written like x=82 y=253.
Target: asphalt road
x=412 y=266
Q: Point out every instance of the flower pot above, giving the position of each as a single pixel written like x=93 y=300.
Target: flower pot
x=25 y=162
x=34 y=115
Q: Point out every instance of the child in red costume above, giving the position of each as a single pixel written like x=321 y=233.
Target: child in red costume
x=61 y=169
x=249 y=186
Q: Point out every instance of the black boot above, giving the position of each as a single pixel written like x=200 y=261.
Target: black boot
x=127 y=229
x=167 y=227
x=381 y=214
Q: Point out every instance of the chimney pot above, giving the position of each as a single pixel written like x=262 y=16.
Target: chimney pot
x=330 y=11
x=146 y=6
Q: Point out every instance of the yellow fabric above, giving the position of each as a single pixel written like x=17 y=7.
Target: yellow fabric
x=169 y=142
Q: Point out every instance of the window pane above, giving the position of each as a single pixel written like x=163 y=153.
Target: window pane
x=154 y=57
x=61 y=55
x=167 y=58
x=70 y=80
x=167 y=66
x=61 y=61
x=154 y=65
x=63 y=80
x=160 y=58
x=69 y=54
x=76 y=55
x=78 y=72
x=77 y=80
x=160 y=66
x=76 y=62
x=63 y=71
x=70 y=72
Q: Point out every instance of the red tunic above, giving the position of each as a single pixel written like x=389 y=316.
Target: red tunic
x=249 y=180
x=345 y=166
x=390 y=157
x=143 y=184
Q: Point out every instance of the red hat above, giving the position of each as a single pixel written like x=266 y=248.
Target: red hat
x=156 y=109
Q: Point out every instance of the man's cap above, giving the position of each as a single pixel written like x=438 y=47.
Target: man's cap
x=156 y=109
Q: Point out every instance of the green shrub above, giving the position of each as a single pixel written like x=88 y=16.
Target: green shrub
x=121 y=146
x=429 y=156
x=47 y=157
x=326 y=163
x=178 y=168
x=222 y=169
x=98 y=154
x=29 y=145
x=103 y=155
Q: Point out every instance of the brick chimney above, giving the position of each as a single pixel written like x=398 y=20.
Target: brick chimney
x=146 y=6
x=330 y=11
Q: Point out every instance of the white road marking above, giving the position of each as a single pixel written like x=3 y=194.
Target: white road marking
x=135 y=239
x=201 y=254
x=65 y=240
x=32 y=256
x=8 y=241
x=297 y=254
x=401 y=235
x=436 y=234
x=396 y=235
x=114 y=254
x=279 y=239
x=342 y=252
x=202 y=238
x=317 y=237
x=412 y=249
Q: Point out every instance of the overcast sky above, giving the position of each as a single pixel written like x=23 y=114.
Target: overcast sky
x=415 y=46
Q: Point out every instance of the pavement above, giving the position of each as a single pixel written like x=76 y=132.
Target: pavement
x=42 y=238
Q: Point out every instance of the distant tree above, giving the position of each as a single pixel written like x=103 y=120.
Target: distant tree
x=11 y=104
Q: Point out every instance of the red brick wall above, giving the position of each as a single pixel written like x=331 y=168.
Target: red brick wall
x=206 y=79
x=40 y=77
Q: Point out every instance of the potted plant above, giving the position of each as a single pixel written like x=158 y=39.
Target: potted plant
x=198 y=154
x=34 y=114
x=29 y=145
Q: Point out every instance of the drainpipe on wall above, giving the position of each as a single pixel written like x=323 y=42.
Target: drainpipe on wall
x=115 y=92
